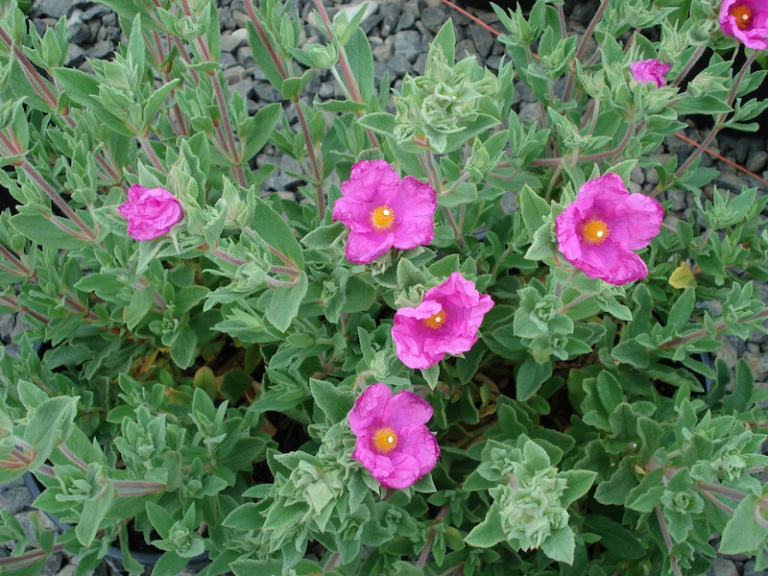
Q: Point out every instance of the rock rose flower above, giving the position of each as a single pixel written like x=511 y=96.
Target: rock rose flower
x=151 y=212
x=599 y=230
x=746 y=20
x=650 y=71
x=447 y=320
x=393 y=442
x=382 y=211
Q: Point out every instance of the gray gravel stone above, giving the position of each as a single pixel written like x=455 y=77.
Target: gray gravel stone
x=406 y=22
x=434 y=18
x=101 y=50
x=265 y=92
x=529 y=112
x=227 y=60
x=383 y=53
x=421 y=64
x=749 y=570
x=730 y=182
x=408 y=44
x=233 y=75
x=723 y=567
x=245 y=88
x=398 y=65
x=54 y=8
x=483 y=39
x=231 y=41
x=637 y=175
x=15 y=499
x=245 y=57
x=756 y=160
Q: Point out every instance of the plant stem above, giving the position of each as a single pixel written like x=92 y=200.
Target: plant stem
x=431 y=537
x=228 y=257
x=582 y=46
x=668 y=541
x=759 y=516
x=72 y=458
x=720 y=118
x=711 y=497
x=152 y=156
x=32 y=172
x=333 y=560
x=14 y=260
x=574 y=302
x=346 y=69
x=737 y=495
x=691 y=63
x=590 y=157
x=317 y=173
x=719 y=326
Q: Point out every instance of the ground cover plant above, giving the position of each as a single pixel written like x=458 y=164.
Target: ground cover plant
x=385 y=373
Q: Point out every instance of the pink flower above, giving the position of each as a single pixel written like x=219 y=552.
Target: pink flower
x=447 y=320
x=392 y=441
x=650 y=71
x=150 y=212
x=382 y=211
x=746 y=20
x=599 y=230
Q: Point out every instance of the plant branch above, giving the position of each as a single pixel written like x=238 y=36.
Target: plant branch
x=590 y=157
x=32 y=172
x=719 y=326
x=711 y=497
x=582 y=46
x=431 y=537
x=737 y=495
x=668 y=541
x=691 y=63
x=152 y=156
x=574 y=302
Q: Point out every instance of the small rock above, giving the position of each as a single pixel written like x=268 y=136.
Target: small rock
x=465 y=48
x=101 y=50
x=723 y=567
x=79 y=33
x=109 y=19
x=266 y=92
x=434 y=18
x=245 y=88
x=245 y=57
x=231 y=41
x=678 y=199
x=226 y=22
x=54 y=8
x=227 y=60
x=759 y=365
x=97 y=11
x=252 y=107
x=75 y=56
x=635 y=188
x=525 y=93
x=509 y=203
x=727 y=353
x=749 y=570
x=483 y=39
x=651 y=176
x=529 y=112
x=421 y=64
x=382 y=53
x=413 y=8
x=406 y=22
x=730 y=182
x=241 y=19
x=390 y=15
x=756 y=160
x=233 y=75
x=637 y=175
x=583 y=13
x=408 y=44
x=15 y=499
x=326 y=90
x=493 y=62
x=370 y=23
x=111 y=33
x=398 y=66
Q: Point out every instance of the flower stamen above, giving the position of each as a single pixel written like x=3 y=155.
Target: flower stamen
x=742 y=15
x=385 y=440
x=596 y=231
x=383 y=217
x=436 y=320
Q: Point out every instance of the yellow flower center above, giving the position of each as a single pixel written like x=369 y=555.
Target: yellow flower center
x=383 y=217
x=596 y=231
x=436 y=320
x=743 y=16
x=385 y=440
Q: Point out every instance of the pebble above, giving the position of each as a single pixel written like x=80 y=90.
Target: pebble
x=101 y=50
x=54 y=8
x=637 y=175
x=406 y=22
x=408 y=44
x=233 y=75
x=529 y=112
x=723 y=567
x=245 y=57
x=351 y=10
x=434 y=18
x=231 y=41
x=15 y=499
x=731 y=182
x=483 y=39
x=757 y=159
x=398 y=66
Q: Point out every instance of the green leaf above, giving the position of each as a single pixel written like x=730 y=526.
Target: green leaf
x=161 y=520
x=533 y=209
x=633 y=353
x=141 y=302
x=616 y=490
x=323 y=236
x=170 y=564
x=51 y=424
x=333 y=401
x=263 y=59
x=488 y=533
x=157 y=99
x=93 y=513
x=609 y=391
x=184 y=349
x=615 y=537
x=445 y=43
x=285 y=303
x=530 y=377
x=361 y=295
x=701 y=105
x=379 y=122
x=681 y=310
x=742 y=389
x=578 y=483
x=234 y=384
x=276 y=232
x=743 y=534
x=246 y=517
x=360 y=58
x=260 y=129
x=42 y=231
x=560 y=545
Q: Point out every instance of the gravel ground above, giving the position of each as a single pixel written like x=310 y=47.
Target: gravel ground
x=400 y=32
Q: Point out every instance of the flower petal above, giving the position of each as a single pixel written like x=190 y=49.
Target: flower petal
x=410 y=335
x=612 y=262
x=406 y=472
x=636 y=221
x=414 y=207
x=365 y=247
x=406 y=408
x=417 y=441
x=371 y=181
x=369 y=408
x=379 y=465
